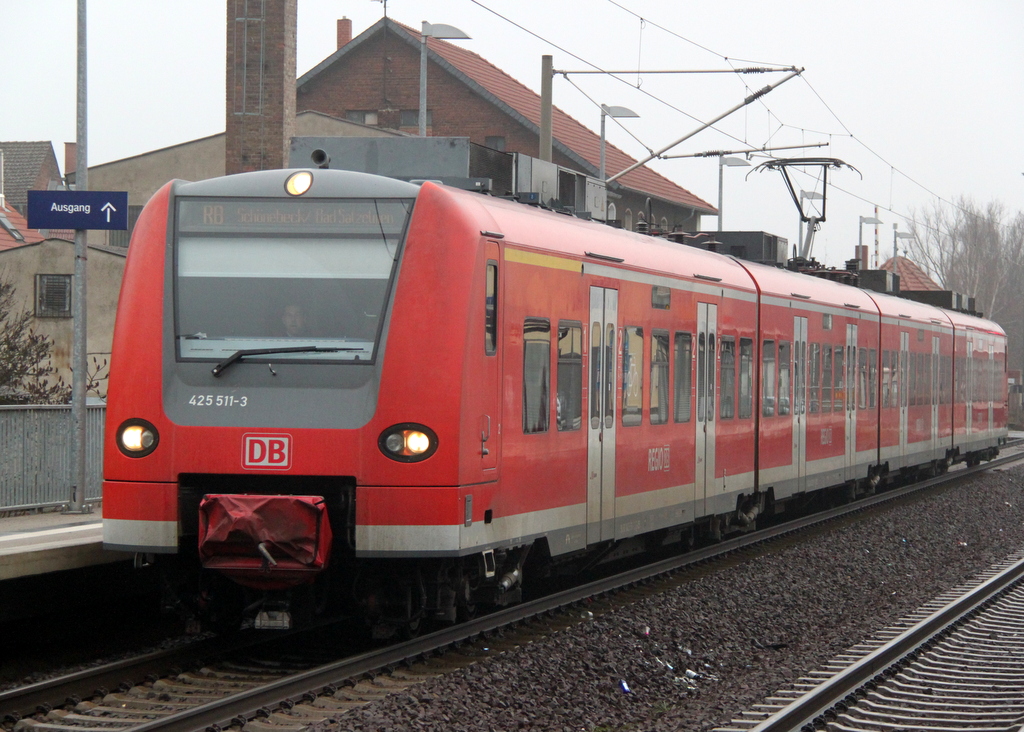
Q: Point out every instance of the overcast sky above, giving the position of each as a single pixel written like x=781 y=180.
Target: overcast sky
x=924 y=99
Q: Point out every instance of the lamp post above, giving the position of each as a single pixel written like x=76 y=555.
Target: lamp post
x=431 y=30
x=722 y=162
x=806 y=196
x=860 y=234
x=607 y=111
x=896 y=236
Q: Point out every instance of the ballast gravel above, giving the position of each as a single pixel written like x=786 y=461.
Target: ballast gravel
x=694 y=657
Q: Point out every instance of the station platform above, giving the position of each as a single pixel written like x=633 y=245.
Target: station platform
x=39 y=543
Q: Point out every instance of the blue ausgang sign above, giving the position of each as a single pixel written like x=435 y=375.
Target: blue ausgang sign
x=78 y=210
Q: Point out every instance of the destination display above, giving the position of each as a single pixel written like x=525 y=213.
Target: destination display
x=209 y=215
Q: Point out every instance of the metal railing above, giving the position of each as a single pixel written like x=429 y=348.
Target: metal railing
x=36 y=448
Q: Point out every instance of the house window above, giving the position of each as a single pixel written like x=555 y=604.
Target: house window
x=495 y=142
x=411 y=118
x=53 y=296
x=627 y=221
x=364 y=117
x=611 y=212
x=121 y=238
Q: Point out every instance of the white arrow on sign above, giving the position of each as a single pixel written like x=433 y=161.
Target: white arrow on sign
x=109 y=208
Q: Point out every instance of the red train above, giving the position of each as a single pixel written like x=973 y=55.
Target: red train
x=334 y=387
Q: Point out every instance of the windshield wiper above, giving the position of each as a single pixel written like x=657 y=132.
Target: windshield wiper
x=239 y=355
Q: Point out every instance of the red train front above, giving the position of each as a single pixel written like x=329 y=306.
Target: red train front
x=246 y=405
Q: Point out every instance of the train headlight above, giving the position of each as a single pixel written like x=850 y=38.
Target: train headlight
x=298 y=183
x=408 y=443
x=137 y=438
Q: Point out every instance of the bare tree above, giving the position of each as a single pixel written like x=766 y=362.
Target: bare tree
x=977 y=252
x=26 y=374
x=970 y=250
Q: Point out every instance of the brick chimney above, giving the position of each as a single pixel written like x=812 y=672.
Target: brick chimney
x=260 y=84
x=70 y=161
x=344 y=31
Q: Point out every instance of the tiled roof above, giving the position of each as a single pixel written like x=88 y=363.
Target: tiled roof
x=911 y=276
x=523 y=104
x=22 y=163
x=14 y=231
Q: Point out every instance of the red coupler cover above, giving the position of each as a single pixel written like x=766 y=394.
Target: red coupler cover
x=294 y=530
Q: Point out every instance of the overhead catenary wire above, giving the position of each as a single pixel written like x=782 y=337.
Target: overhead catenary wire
x=849 y=134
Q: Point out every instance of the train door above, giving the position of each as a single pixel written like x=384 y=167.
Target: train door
x=850 y=425
x=936 y=391
x=969 y=375
x=604 y=307
x=491 y=419
x=799 y=410
x=990 y=387
x=704 y=466
x=904 y=366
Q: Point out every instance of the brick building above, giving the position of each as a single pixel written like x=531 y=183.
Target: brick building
x=373 y=79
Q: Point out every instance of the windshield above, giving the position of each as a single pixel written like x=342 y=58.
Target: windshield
x=285 y=274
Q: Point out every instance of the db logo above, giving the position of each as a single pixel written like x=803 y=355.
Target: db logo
x=267 y=452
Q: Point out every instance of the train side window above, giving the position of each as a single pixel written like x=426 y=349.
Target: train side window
x=912 y=386
x=746 y=378
x=851 y=378
x=683 y=376
x=945 y=375
x=659 y=377
x=536 y=374
x=885 y=378
x=862 y=378
x=569 y=396
x=826 y=377
x=813 y=378
x=768 y=378
x=839 y=380
x=784 y=384
x=595 y=375
x=872 y=378
x=632 y=375
x=727 y=378
x=711 y=377
x=491 y=310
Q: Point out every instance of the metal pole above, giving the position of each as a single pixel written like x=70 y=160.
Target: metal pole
x=721 y=167
x=78 y=382
x=423 y=79
x=895 y=258
x=600 y=173
x=546 y=75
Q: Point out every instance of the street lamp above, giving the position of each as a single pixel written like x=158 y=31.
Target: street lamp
x=896 y=236
x=860 y=234
x=722 y=162
x=607 y=111
x=435 y=30
x=808 y=196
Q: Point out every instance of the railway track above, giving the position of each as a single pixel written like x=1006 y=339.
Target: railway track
x=956 y=664
x=256 y=690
